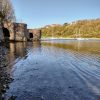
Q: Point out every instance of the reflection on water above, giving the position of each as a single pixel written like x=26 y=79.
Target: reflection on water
x=92 y=46
x=19 y=50
x=55 y=70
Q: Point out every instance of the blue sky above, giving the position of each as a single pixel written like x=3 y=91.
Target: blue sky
x=38 y=13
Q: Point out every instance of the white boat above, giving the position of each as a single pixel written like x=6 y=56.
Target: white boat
x=80 y=38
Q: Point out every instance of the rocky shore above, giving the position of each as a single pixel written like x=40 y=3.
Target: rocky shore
x=4 y=76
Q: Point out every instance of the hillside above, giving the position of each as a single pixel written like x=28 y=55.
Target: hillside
x=80 y=28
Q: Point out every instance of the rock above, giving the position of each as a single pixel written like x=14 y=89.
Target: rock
x=12 y=98
x=70 y=87
x=42 y=98
x=3 y=90
x=4 y=66
x=7 y=87
x=3 y=98
x=4 y=77
x=4 y=86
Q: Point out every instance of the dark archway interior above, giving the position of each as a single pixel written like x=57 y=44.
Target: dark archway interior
x=31 y=35
x=6 y=32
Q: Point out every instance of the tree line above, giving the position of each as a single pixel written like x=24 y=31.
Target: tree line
x=77 y=29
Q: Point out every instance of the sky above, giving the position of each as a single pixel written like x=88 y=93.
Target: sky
x=38 y=13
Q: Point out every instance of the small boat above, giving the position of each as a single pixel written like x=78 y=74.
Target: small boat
x=80 y=38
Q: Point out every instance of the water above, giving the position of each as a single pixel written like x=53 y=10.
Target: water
x=55 y=70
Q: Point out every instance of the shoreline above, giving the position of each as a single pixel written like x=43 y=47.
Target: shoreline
x=5 y=78
x=70 y=39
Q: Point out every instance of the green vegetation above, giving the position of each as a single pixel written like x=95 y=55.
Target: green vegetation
x=78 y=29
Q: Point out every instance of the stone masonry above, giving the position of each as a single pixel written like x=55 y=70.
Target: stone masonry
x=36 y=34
x=19 y=32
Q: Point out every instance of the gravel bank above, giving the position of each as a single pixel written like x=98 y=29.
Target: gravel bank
x=4 y=76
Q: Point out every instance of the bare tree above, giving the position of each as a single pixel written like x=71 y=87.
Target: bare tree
x=6 y=11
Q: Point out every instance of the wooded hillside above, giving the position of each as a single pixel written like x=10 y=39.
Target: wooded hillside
x=80 y=28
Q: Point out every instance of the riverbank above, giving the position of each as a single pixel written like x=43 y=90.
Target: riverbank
x=4 y=76
x=60 y=38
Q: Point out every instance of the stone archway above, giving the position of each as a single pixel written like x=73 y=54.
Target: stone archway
x=31 y=35
x=6 y=34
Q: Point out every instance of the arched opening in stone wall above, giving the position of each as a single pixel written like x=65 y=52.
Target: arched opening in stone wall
x=6 y=34
x=40 y=34
x=31 y=35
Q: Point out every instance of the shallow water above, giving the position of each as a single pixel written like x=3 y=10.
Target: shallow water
x=55 y=70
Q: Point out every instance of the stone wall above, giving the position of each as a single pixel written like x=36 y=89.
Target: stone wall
x=18 y=31
x=36 y=34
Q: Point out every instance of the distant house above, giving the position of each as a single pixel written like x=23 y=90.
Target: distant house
x=52 y=25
